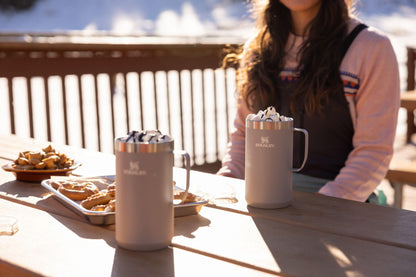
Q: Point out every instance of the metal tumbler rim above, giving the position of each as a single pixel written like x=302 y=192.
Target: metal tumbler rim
x=143 y=147
x=270 y=125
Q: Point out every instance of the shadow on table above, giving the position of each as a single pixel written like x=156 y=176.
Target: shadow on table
x=20 y=189
x=137 y=263
x=151 y=263
x=126 y=262
x=159 y=262
x=320 y=253
x=187 y=225
x=33 y=194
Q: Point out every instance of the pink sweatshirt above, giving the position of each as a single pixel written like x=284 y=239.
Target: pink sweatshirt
x=370 y=68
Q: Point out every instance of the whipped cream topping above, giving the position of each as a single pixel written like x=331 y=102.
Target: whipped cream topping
x=146 y=136
x=269 y=114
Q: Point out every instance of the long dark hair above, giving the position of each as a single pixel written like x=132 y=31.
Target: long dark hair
x=319 y=57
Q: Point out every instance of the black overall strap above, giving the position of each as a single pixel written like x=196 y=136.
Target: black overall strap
x=350 y=38
x=325 y=132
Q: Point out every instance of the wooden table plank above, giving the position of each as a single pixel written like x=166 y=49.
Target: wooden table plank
x=51 y=245
x=32 y=194
x=374 y=223
x=374 y=226
x=289 y=249
x=333 y=215
x=217 y=242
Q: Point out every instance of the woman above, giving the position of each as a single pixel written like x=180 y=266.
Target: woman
x=340 y=82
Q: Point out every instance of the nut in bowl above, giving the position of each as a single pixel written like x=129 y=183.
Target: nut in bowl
x=35 y=166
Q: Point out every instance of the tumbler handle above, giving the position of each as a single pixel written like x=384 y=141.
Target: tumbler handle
x=305 y=156
x=188 y=170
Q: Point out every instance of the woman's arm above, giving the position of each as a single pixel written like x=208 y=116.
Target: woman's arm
x=376 y=105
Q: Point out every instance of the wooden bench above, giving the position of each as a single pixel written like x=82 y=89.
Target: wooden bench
x=403 y=165
x=402 y=171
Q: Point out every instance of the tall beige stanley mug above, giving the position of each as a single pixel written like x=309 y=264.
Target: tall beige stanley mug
x=144 y=190
x=269 y=158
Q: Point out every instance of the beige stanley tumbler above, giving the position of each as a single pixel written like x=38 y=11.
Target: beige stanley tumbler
x=268 y=162
x=144 y=190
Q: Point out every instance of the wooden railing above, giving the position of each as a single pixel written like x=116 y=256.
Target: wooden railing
x=87 y=90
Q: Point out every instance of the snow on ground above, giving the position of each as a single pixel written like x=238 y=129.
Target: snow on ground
x=141 y=17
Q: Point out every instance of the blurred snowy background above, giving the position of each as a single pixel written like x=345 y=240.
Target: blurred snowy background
x=188 y=18
x=195 y=18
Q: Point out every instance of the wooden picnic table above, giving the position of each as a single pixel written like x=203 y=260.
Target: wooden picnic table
x=315 y=236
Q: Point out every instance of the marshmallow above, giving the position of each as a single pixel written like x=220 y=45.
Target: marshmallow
x=151 y=136
x=269 y=114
